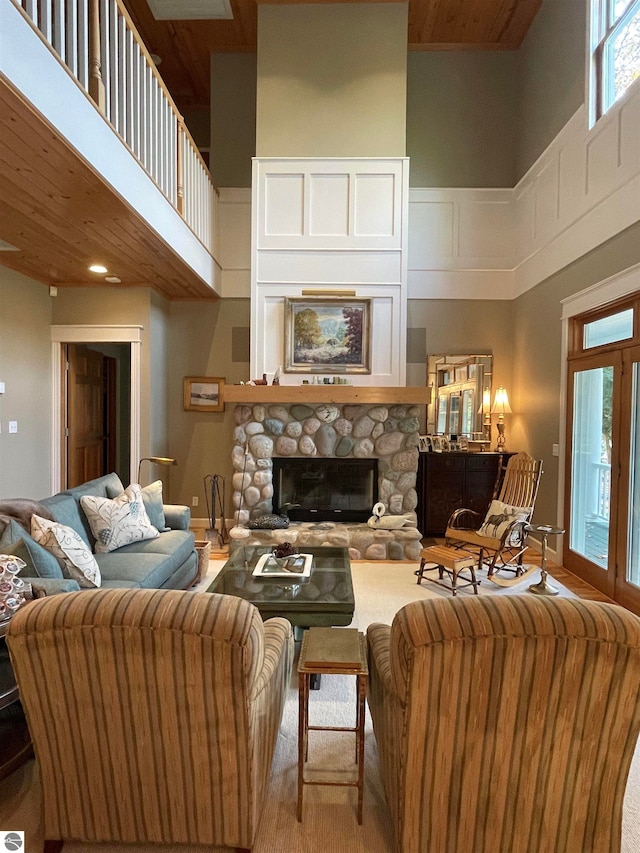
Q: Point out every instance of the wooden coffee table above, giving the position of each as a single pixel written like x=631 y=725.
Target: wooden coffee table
x=325 y=598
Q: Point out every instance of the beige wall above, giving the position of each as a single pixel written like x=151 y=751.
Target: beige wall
x=25 y=348
x=332 y=80
x=473 y=143
x=201 y=343
x=233 y=118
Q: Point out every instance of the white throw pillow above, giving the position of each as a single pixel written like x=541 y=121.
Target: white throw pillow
x=120 y=521
x=64 y=543
x=500 y=516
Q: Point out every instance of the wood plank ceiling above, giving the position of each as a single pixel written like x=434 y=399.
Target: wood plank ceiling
x=62 y=216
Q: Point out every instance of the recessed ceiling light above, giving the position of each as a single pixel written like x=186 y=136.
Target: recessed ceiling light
x=190 y=10
x=112 y=279
x=99 y=268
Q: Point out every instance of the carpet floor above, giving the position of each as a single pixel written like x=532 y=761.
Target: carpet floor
x=329 y=822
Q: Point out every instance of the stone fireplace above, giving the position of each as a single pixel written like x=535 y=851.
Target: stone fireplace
x=387 y=434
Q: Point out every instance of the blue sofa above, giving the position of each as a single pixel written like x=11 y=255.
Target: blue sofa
x=168 y=562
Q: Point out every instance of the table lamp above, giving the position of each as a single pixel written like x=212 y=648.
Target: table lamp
x=501 y=408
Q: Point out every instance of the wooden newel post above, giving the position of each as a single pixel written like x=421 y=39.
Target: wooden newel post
x=96 y=83
x=180 y=168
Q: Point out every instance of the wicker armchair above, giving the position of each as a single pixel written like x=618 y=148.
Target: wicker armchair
x=506 y=723
x=154 y=713
x=516 y=487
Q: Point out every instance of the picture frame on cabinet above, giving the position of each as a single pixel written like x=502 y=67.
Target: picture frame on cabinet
x=203 y=393
x=436 y=443
x=424 y=443
x=327 y=335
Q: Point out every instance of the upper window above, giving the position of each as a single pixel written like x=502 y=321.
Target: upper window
x=615 y=50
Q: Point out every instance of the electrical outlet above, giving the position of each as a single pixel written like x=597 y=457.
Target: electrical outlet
x=195 y=500
x=13 y=426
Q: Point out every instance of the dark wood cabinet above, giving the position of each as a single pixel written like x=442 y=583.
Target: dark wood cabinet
x=447 y=481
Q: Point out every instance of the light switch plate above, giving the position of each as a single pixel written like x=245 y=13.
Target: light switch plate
x=555 y=450
x=13 y=426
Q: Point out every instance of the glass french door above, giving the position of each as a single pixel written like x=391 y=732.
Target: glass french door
x=602 y=494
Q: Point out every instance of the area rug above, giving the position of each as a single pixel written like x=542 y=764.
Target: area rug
x=329 y=822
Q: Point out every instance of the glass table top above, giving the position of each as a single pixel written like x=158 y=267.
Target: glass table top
x=328 y=588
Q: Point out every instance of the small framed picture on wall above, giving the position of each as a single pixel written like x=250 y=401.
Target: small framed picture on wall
x=203 y=393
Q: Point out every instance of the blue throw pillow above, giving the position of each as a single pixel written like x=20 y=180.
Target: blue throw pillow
x=40 y=562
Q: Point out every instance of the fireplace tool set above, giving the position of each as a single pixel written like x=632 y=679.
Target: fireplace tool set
x=214 y=491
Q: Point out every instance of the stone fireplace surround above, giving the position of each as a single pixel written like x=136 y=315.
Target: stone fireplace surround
x=389 y=433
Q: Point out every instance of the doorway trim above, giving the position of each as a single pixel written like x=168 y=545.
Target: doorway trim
x=61 y=335
x=610 y=289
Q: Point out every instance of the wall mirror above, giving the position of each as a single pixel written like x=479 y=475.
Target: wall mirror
x=460 y=395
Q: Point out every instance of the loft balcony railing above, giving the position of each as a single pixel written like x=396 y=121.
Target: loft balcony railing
x=99 y=44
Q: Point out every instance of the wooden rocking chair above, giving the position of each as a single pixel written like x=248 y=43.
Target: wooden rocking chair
x=500 y=541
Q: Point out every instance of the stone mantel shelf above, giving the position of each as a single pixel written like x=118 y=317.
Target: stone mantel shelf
x=383 y=394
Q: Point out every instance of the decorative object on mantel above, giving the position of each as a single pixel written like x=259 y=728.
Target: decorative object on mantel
x=501 y=408
x=389 y=522
x=327 y=334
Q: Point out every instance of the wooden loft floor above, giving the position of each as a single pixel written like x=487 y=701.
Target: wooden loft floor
x=62 y=216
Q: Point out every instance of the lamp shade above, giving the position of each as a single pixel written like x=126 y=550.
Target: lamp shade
x=501 y=403
x=157 y=460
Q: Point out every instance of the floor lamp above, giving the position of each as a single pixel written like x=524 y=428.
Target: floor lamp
x=156 y=460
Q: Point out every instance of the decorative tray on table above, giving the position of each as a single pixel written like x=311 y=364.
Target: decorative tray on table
x=294 y=566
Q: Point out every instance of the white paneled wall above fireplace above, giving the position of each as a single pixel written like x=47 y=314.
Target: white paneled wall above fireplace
x=330 y=225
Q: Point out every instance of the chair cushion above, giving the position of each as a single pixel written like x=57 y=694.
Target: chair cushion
x=69 y=547
x=472 y=537
x=120 y=521
x=500 y=517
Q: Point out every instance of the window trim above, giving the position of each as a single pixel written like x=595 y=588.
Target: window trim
x=600 y=31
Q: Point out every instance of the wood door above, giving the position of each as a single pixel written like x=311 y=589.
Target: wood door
x=85 y=415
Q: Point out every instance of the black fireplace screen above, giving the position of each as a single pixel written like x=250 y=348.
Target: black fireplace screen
x=325 y=489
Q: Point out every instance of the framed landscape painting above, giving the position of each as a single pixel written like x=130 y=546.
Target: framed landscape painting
x=327 y=335
x=203 y=394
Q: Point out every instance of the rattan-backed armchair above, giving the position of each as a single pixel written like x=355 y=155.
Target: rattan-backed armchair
x=154 y=713
x=506 y=724
x=500 y=545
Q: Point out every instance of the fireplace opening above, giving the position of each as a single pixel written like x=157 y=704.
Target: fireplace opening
x=325 y=489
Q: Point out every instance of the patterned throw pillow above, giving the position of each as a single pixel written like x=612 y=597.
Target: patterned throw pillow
x=120 y=521
x=500 y=516
x=63 y=542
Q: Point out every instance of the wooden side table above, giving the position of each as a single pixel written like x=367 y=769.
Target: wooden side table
x=337 y=651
